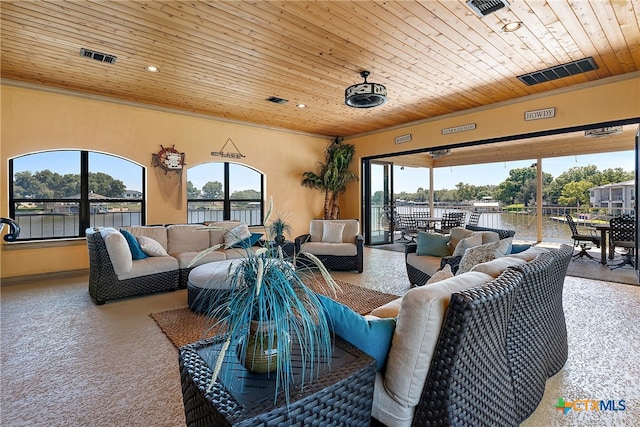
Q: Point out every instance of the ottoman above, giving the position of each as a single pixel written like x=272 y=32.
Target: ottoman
x=208 y=283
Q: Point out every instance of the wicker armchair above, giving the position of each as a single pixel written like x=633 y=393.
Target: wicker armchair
x=469 y=383
x=345 y=253
x=104 y=284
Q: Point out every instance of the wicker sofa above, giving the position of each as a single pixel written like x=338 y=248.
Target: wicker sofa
x=114 y=274
x=476 y=349
x=420 y=268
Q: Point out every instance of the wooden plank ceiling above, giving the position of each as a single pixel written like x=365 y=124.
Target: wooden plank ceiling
x=225 y=58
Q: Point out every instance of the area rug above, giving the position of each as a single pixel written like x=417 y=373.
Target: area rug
x=182 y=326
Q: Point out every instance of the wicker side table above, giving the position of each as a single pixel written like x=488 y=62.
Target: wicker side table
x=340 y=396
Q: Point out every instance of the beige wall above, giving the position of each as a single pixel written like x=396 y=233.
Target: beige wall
x=34 y=120
x=608 y=100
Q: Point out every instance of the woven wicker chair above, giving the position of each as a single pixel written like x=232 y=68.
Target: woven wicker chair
x=104 y=284
x=474 y=218
x=469 y=383
x=352 y=243
x=537 y=345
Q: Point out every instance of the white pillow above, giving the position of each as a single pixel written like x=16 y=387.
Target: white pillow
x=483 y=253
x=440 y=275
x=151 y=247
x=466 y=243
x=332 y=232
x=236 y=235
x=118 y=250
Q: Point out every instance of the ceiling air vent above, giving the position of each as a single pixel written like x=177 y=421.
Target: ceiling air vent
x=277 y=100
x=102 y=57
x=559 y=71
x=485 y=7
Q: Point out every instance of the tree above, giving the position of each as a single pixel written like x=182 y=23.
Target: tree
x=105 y=185
x=192 y=191
x=212 y=190
x=575 y=193
x=521 y=185
x=332 y=176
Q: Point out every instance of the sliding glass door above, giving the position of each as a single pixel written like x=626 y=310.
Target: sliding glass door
x=378 y=202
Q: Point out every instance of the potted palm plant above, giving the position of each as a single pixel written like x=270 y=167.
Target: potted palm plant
x=267 y=311
x=278 y=227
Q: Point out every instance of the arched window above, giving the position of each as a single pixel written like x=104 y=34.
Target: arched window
x=220 y=191
x=59 y=194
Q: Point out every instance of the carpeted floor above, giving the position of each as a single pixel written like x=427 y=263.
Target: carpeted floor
x=182 y=326
x=66 y=361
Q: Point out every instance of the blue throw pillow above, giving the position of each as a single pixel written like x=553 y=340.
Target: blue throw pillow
x=134 y=246
x=248 y=242
x=517 y=248
x=371 y=336
x=433 y=244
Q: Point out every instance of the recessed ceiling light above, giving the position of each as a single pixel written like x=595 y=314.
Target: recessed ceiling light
x=512 y=26
x=301 y=106
x=152 y=69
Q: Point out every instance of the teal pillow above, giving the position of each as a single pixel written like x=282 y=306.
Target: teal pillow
x=248 y=242
x=371 y=336
x=134 y=246
x=433 y=244
x=517 y=248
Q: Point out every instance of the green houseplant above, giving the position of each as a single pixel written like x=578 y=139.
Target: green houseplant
x=332 y=176
x=267 y=310
x=278 y=227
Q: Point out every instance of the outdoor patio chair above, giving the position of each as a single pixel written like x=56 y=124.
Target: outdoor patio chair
x=407 y=226
x=623 y=234
x=474 y=218
x=450 y=220
x=582 y=240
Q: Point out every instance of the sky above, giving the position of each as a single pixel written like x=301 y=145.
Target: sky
x=408 y=180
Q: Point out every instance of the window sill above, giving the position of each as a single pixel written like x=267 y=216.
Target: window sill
x=44 y=244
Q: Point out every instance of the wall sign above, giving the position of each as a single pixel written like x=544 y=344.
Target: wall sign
x=403 y=138
x=545 y=113
x=456 y=129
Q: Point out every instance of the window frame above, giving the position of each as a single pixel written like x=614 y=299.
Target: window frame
x=84 y=202
x=226 y=200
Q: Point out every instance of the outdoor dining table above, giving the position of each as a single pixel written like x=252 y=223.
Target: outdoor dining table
x=603 y=228
x=426 y=223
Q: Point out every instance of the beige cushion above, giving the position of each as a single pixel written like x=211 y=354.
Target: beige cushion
x=440 y=275
x=425 y=263
x=530 y=254
x=236 y=235
x=118 y=250
x=332 y=232
x=186 y=238
x=337 y=249
x=185 y=258
x=351 y=229
x=419 y=321
x=218 y=229
x=151 y=247
x=457 y=234
x=150 y=265
x=387 y=410
x=155 y=232
x=388 y=310
x=497 y=266
x=483 y=253
x=468 y=242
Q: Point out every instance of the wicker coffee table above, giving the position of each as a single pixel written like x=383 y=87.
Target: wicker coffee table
x=342 y=395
